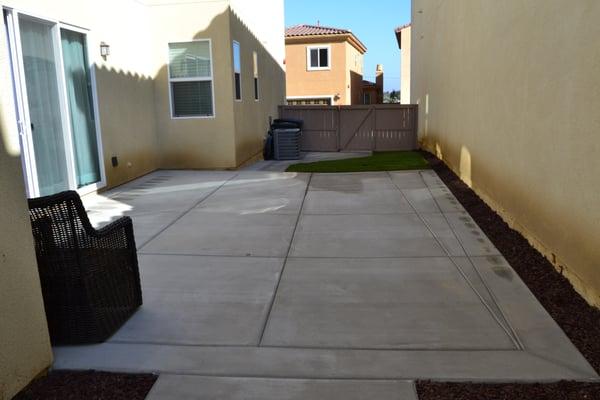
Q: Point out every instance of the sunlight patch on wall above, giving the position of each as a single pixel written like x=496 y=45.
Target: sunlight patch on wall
x=465 y=165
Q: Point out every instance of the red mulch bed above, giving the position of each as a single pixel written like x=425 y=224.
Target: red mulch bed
x=531 y=391
x=579 y=320
x=88 y=385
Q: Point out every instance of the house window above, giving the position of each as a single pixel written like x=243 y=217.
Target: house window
x=190 y=79
x=318 y=57
x=237 y=71
x=309 y=101
x=255 y=66
x=366 y=98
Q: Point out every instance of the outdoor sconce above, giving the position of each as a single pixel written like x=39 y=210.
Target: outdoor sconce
x=104 y=50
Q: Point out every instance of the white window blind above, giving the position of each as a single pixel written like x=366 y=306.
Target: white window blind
x=255 y=65
x=190 y=79
x=237 y=71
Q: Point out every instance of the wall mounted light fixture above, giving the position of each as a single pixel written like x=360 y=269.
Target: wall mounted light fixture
x=104 y=50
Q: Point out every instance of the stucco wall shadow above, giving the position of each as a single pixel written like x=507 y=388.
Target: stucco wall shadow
x=24 y=342
x=252 y=117
x=128 y=124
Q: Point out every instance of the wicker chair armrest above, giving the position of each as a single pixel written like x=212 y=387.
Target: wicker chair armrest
x=110 y=234
x=113 y=226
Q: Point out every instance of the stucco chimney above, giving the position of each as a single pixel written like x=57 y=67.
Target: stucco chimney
x=379 y=82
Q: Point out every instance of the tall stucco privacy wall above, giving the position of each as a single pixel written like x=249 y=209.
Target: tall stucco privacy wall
x=24 y=343
x=508 y=95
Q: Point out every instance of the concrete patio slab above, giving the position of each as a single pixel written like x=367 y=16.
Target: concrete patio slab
x=531 y=322
x=177 y=387
x=361 y=276
x=431 y=179
x=258 y=193
x=372 y=202
x=352 y=182
x=438 y=225
x=168 y=192
x=416 y=303
x=471 y=237
x=421 y=200
x=226 y=234
x=445 y=200
x=407 y=179
x=376 y=235
x=271 y=362
x=148 y=225
x=206 y=300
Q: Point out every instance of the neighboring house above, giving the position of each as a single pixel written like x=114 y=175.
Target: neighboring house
x=94 y=93
x=403 y=37
x=372 y=92
x=323 y=65
x=106 y=91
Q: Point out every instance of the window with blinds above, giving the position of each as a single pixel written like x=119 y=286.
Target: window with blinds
x=190 y=79
x=255 y=65
x=237 y=71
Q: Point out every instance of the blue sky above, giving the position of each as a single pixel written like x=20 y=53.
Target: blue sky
x=373 y=22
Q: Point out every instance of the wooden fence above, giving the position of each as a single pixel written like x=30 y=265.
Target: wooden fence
x=376 y=127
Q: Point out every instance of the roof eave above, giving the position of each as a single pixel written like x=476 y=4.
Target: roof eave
x=338 y=37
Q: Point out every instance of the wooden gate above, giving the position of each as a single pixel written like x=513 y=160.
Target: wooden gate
x=376 y=127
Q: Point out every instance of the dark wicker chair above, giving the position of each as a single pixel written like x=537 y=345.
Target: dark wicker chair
x=90 y=278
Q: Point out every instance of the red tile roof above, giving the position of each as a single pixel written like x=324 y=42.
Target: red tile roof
x=296 y=32
x=310 y=30
x=398 y=29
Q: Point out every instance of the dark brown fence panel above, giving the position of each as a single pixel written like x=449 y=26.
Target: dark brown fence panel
x=320 y=126
x=356 y=128
x=395 y=128
x=377 y=127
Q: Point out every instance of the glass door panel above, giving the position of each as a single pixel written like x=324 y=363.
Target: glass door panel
x=81 y=111
x=45 y=121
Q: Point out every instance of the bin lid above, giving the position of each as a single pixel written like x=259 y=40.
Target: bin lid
x=286 y=130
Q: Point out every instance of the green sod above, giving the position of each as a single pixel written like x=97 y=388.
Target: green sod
x=383 y=161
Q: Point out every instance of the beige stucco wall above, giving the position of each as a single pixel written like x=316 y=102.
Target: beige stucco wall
x=132 y=82
x=354 y=74
x=124 y=80
x=24 y=343
x=195 y=142
x=405 y=65
x=302 y=82
x=509 y=94
x=252 y=117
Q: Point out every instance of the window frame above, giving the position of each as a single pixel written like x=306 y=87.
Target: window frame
x=197 y=79
x=233 y=43
x=255 y=80
x=318 y=47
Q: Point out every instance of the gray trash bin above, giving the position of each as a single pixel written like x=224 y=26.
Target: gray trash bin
x=286 y=143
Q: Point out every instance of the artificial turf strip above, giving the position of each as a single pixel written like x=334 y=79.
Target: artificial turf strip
x=88 y=385
x=380 y=161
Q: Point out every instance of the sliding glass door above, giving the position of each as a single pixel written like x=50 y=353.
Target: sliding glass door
x=55 y=105
x=81 y=111
x=45 y=122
